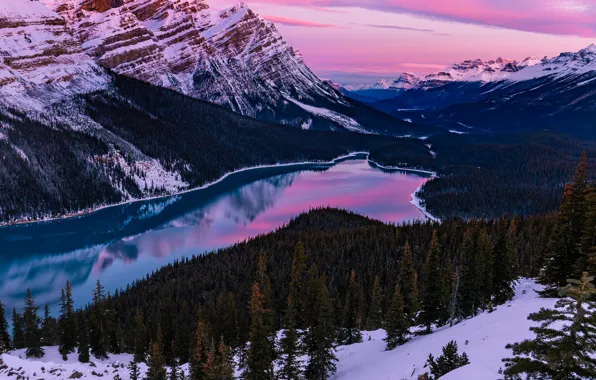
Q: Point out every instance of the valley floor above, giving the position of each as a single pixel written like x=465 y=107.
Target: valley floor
x=483 y=338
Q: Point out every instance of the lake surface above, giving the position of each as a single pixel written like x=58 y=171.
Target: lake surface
x=120 y=244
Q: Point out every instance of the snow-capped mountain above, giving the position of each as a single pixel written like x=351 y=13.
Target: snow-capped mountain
x=491 y=71
x=230 y=57
x=42 y=61
x=554 y=93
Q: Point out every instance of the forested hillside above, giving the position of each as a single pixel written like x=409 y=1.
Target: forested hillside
x=493 y=175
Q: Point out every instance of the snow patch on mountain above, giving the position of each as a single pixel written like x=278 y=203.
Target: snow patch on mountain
x=343 y=120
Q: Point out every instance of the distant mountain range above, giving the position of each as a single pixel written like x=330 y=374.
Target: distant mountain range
x=550 y=93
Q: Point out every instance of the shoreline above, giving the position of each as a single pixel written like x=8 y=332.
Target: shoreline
x=202 y=187
x=416 y=200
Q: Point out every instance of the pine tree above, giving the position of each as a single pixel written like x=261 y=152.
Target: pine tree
x=83 y=341
x=289 y=364
x=67 y=323
x=140 y=341
x=156 y=365
x=5 y=343
x=564 y=249
x=225 y=362
x=134 y=372
x=396 y=323
x=447 y=362
x=587 y=259
x=264 y=283
x=298 y=284
x=49 y=336
x=199 y=352
x=175 y=371
x=408 y=283
x=564 y=352
x=227 y=323
x=99 y=328
x=375 y=311
x=469 y=295
x=219 y=364
x=321 y=335
x=485 y=255
x=32 y=329
x=18 y=330
x=260 y=353
x=432 y=301
x=350 y=332
x=503 y=268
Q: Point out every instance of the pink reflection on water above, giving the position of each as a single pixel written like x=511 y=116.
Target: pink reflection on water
x=265 y=205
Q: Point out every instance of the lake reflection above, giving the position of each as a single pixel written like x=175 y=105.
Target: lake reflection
x=120 y=244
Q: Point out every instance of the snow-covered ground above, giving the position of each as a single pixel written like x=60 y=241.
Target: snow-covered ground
x=483 y=338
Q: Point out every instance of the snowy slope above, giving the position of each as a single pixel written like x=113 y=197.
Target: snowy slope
x=483 y=338
x=486 y=336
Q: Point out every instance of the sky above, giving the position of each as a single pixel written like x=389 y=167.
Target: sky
x=362 y=41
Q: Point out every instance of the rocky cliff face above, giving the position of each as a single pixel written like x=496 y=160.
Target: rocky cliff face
x=40 y=58
x=231 y=57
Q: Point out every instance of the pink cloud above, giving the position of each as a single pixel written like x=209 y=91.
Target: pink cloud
x=560 y=17
x=295 y=22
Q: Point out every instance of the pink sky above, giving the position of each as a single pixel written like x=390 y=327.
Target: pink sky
x=354 y=41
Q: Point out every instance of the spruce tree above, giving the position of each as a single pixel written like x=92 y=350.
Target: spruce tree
x=175 y=371
x=290 y=367
x=587 y=259
x=469 y=295
x=564 y=250
x=260 y=353
x=140 y=340
x=134 y=373
x=83 y=340
x=408 y=283
x=67 y=322
x=5 y=342
x=298 y=284
x=396 y=322
x=503 y=267
x=447 y=362
x=219 y=364
x=18 y=330
x=350 y=332
x=227 y=321
x=156 y=365
x=49 y=328
x=321 y=335
x=225 y=362
x=375 y=310
x=564 y=351
x=32 y=329
x=432 y=301
x=200 y=351
x=99 y=327
x=485 y=271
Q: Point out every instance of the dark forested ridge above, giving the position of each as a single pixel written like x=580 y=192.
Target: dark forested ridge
x=492 y=175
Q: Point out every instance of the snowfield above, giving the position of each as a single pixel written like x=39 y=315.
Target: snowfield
x=483 y=338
